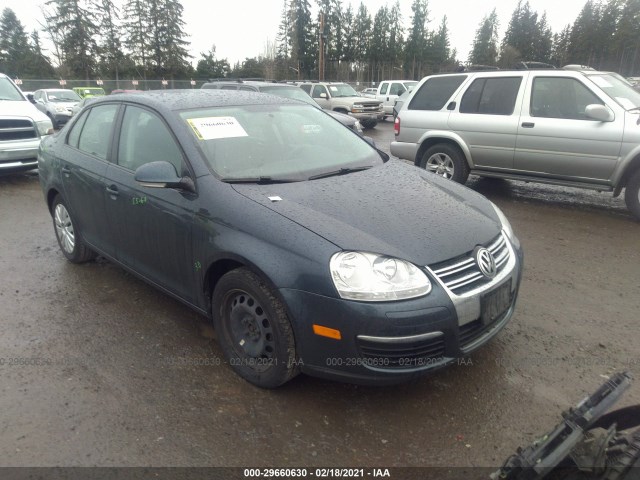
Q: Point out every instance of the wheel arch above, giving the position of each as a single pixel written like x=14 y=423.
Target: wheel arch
x=434 y=138
x=627 y=171
x=224 y=264
x=51 y=195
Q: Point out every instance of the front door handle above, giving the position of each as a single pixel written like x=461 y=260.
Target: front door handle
x=528 y=124
x=113 y=191
x=66 y=171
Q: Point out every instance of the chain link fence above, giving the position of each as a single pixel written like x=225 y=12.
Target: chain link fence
x=30 y=85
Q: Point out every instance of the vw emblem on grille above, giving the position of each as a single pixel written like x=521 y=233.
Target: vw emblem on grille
x=486 y=262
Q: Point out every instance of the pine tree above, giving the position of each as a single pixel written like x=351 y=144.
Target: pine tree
x=75 y=21
x=110 y=45
x=301 y=37
x=14 y=44
x=485 y=44
x=137 y=37
x=417 y=39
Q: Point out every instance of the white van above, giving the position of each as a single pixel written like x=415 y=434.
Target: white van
x=22 y=126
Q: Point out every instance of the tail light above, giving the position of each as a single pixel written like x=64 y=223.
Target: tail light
x=396 y=126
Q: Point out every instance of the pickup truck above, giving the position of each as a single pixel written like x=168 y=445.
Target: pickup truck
x=342 y=98
x=389 y=90
x=21 y=128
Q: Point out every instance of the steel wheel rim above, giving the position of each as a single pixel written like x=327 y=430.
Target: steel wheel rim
x=251 y=330
x=64 y=229
x=440 y=164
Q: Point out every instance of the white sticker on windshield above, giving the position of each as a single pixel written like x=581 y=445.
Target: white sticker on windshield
x=600 y=81
x=625 y=103
x=311 y=129
x=333 y=89
x=210 y=128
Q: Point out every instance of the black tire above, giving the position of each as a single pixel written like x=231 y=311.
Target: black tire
x=446 y=161
x=367 y=124
x=632 y=194
x=68 y=235
x=253 y=329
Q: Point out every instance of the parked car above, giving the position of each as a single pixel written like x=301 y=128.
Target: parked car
x=342 y=98
x=282 y=90
x=389 y=90
x=56 y=104
x=397 y=104
x=76 y=108
x=369 y=92
x=578 y=128
x=88 y=92
x=310 y=250
x=22 y=127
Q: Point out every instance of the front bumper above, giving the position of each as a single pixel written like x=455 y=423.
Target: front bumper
x=19 y=155
x=370 y=116
x=393 y=342
x=62 y=118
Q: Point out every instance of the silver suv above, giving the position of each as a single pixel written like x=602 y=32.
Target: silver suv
x=563 y=127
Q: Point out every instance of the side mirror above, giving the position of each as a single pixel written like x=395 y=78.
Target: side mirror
x=162 y=175
x=323 y=95
x=599 y=112
x=30 y=98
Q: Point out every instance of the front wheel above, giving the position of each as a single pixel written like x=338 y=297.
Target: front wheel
x=632 y=194
x=446 y=161
x=366 y=124
x=253 y=329
x=68 y=235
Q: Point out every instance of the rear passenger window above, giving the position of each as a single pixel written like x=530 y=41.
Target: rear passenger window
x=96 y=133
x=558 y=97
x=306 y=88
x=491 y=96
x=435 y=92
x=74 y=135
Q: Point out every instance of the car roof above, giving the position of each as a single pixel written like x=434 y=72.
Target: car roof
x=185 y=99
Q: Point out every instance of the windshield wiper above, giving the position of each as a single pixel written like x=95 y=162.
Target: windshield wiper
x=342 y=171
x=262 y=180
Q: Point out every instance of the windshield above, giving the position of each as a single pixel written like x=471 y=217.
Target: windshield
x=618 y=89
x=276 y=142
x=290 y=92
x=62 y=96
x=8 y=91
x=342 y=90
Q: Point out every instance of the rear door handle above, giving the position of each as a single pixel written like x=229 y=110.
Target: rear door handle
x=113 y=191
x=528 y=124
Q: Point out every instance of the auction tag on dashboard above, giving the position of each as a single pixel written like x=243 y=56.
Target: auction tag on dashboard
x=210 y=128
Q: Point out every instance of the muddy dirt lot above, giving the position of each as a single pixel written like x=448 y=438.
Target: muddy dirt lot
x=98 y=368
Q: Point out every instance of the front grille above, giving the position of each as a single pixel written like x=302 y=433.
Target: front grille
x=461 y=274
x=16 y=129
x=422 y=353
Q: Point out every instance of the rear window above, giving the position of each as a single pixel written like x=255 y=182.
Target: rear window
x=491 y=96
x=435 y=92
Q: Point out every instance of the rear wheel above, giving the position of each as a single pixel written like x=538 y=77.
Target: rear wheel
x=632 y=194
x=446 y=161
x=253 y=329
x=68 y=235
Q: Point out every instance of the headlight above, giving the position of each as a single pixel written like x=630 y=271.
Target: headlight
x=44 y=127
x=506 y=226
x=357 y=126
x=376 y=278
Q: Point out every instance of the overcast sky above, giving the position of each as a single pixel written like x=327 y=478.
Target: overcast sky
x=241 y=28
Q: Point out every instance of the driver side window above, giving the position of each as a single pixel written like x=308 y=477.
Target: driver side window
x=144 y=138
x=317 y=90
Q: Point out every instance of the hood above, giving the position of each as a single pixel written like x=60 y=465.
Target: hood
x=21 y=108
x=393 y=209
